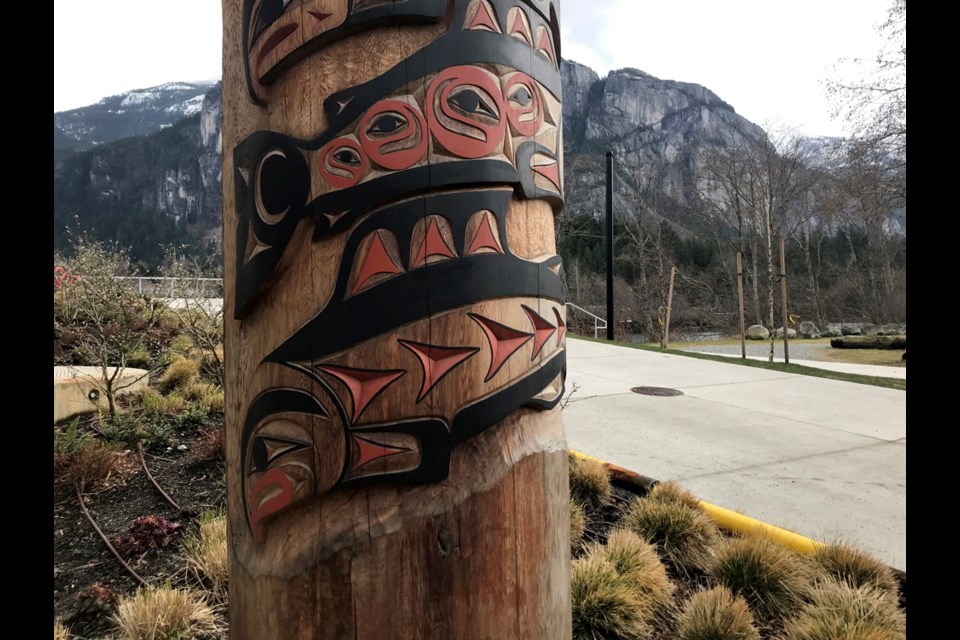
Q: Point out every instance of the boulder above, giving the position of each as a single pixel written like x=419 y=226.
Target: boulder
x=870 y=330
x=807 y=329
x=891 y=329
x=830 y=333
x=757 y=332
x=791 y=333
x=850 y=329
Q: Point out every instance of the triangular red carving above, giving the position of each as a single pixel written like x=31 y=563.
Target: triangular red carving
x=433 y=245
x=376 y=262
x=504 y=342
x=546 y=46
x=370 y=451
x=363 y=384
x=484 y=238
x=550 y=172
x=436 y=361
x=318 y=18
x=520 y=27
x=561 y=327
x=542 y=330
x=484 y=18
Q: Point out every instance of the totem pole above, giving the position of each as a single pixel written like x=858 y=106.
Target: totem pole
x=395 y=336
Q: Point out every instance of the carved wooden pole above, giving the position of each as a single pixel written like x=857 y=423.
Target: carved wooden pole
x=395 y=343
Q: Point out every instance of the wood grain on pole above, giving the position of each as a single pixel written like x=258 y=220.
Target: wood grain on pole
x=743 y=333
x=395 y=332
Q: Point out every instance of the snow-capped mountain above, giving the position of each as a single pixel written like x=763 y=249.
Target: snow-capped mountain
x=137 y=112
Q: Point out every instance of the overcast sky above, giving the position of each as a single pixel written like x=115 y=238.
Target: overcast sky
x=767 y=58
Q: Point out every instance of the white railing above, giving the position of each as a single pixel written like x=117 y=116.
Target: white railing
x=596 y=319
x=161 y=287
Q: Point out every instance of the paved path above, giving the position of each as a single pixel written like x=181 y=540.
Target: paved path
x=824 y=458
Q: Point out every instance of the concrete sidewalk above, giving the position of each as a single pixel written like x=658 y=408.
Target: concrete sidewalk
x=823 y=458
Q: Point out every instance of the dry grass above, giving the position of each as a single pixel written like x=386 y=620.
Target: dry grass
x=93 y=465
x=207 y=395
x=604 y=605
x=589 y=483
x=60 y=632
x=207 y=553
x=180 y=375
x=770 y=577
x=578 y=523
x=152 y=402
x=684 y=536
x=671 y=491
x=855 y=567
x=839 y=611
x=716 y=614
x=163 y=614
x=637 y=562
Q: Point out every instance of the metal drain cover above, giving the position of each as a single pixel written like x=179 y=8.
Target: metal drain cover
x=662 y=392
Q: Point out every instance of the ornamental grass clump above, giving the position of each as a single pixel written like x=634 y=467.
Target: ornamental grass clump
x=207 y=553
x=577 y=523
x=640 y=567
x=855 y=567
x=181 y=373
x=589 y=483
x=684 y=536
x=839 y=611
x=671 y=491
x=163 y=613
x=770 y=577
x=604 y=604
x=716 y=614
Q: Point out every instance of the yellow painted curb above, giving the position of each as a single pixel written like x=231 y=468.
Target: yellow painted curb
x=725 y=518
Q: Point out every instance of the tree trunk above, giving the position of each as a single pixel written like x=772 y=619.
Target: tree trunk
x=394 y=321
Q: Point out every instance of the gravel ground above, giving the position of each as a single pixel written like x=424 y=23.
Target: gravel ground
x=799 y=349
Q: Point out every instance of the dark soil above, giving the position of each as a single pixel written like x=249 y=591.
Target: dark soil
x=80 y=556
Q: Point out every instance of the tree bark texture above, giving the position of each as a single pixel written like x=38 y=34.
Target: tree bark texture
x=395 y=323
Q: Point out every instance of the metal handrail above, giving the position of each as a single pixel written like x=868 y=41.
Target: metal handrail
x=596 y=319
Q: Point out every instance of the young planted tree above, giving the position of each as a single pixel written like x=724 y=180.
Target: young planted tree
x=110 y=316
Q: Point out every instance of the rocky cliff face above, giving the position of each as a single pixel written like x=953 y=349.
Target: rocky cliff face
x=658 y=131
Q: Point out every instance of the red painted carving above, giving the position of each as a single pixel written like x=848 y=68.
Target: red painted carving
x=485 y=238
x=550 y=172
x=363 y=384
x=542 y=330
x=376 y=262
x=519 y=28
x=433 y=245
x=450 y=95
x=545 y=46
x=317 y=18
x=370 y=451
x=504 y=342
x=342 y=163
x=524 y=104
x=436 y=362
x=483 y=19
x=398 y=125
x=274 y=479
x=561 y=327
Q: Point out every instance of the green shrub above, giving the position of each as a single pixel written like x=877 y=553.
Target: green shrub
x=683 y=536
x=716 y=615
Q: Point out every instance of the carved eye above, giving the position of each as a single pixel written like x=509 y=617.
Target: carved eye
x=266 y=450
x=347 y=156
x=387 y=123
x=521 y=96
x=469 y=101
